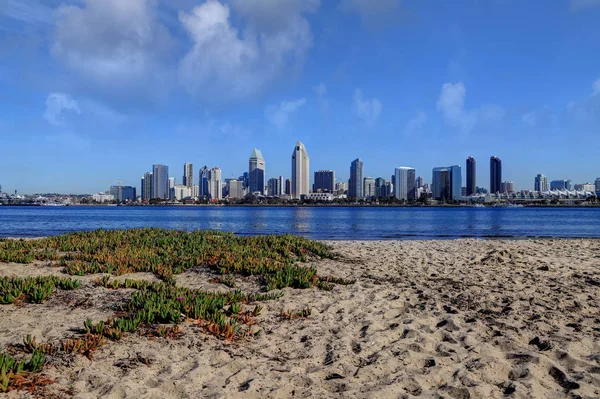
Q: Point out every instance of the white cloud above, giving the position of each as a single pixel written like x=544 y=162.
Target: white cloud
x=321 y=92
x=373 y=12
x=530 y=118
x=596 y=87
x=368 y=111
x=57 y=104
x=577 y=5
x=416 y=124
x=28 y=11
x=451 y=104
x=279 y=115
x=226 y=64
x=113 y=44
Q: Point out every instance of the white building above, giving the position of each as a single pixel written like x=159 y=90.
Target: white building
x=180 y=192
x=368 y=187
x=235 y=189
x=404 y=177
x=300 y=171
x=103 y=197
x=319 y=196
x=215 y=185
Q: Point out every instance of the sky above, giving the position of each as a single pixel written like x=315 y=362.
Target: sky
x=92 y=91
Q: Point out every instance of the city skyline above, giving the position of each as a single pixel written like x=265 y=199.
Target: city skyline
x=403 y=83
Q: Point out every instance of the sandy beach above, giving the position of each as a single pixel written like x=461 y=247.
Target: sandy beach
x=428 y=319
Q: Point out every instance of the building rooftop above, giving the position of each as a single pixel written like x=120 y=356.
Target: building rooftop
x=256 y=154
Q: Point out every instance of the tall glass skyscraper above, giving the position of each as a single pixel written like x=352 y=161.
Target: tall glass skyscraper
x=256 y=172
x=355 y=184
x=446 y=183
x=471 y=176
x=541 y=183
x=160 y=181
x=324 y=181
x=147 y=186
x=203 y=177
x=495 y=175
x=300 y=171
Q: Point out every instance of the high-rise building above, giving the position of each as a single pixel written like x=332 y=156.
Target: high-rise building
x=274 y=186
x=188 y=175
x=160 y=181
x=405 y=183
x=324 y=181
x=215 y=185
x=471 y=176
x=147 y=186
x=560 y=185
x=447 y=183
x=541 y=183
x=256 y=172
x=420 y=182
x=288 y=187
x=235 y=189
x=300 y=171
x=380 y=188
x=368 y=187
x=203 y=177
x=508 y=187
x=597 y=184
x=587 y=187
x=355 y=184
x=341 y=187
x=495 y=175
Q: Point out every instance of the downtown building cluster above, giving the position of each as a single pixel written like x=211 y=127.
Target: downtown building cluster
x=403 y=185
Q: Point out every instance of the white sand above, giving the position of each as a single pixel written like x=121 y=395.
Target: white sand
x=449 y=319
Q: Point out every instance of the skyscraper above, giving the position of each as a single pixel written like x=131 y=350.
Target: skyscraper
x=188 y=175
x=471 y=176
x=147 y=186
x=235 y=189
x=215 y=185
x=446 y=183
x=300 y=171
x=405 y=183
x=597 y=184
x=203 y=177
x=420 y=181
x=274 y=186
x=508 y=187
x=380 y=187
x=160 y=181
x=288 y=187
x=495 y=175
x=368 y=187
x=324 y=181
x=355 y=184
x=256 y=172
x=560 y=185
x=541 y=183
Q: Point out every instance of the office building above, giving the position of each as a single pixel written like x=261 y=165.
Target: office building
x=541 y=183
x=171 y=186
x=471 y=176
x=288 y=187
x=123 y=193
x=203 y=177
x=355 y=184
x=405 y=183
x=324 y=181
x=368 y=187
x=300 y=171
x=180 y=192
x=188 y=175
x=256 y=172
x=560 y=185
x=341 y=188
x=215 y=185
x=147 y=186
x=588 y=187
x=102 y=197
x=160 y=181
x=195 y=191
x=495 y=175
x=508 y=187
x=381 y=188
x=447 y=183
x=235 y=189
x=597 y=184
x=274 y=187
x=420 y=181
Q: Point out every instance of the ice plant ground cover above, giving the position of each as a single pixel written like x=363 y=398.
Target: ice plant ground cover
x=153 y=308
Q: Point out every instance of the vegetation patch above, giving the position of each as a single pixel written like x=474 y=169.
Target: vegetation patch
x=32 y=289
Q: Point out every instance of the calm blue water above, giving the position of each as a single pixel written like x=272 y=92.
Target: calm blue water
x=319 y=223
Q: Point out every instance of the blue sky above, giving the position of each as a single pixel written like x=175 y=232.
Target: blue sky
x=98 y=90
